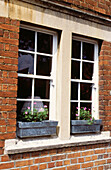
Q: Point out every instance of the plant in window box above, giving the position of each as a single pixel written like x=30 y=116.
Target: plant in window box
x=84 y=122
x=34 y=123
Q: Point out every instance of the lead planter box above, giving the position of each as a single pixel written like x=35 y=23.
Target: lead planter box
x=33 y=129
x=81 y=126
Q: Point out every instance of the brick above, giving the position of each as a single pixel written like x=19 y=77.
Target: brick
x=100 y=162
x=23 y=163
x=59 y=163
x=87 y=159
x=80 y=160
x=67 y=162
x=7 y=47
x=5 y=158
x=86 y=165
x=42 y=166
x=9 y=27
x=11 y=128
x=100 y=151
x=59 y=157
x=87 y=153
x=6 y=165
x=34 y=167
x=74 y=161
x=9 y=41
x=15 y=22
x=46 y=159
x=14 y=35
x=9 y=54
x=73 y=155
x=73 y=167
x=6 y=34
x=51 y=164
x=25 y=168
x=1 y=46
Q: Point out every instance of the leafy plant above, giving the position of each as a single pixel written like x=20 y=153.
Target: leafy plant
x=84 y=115
x=35 y=115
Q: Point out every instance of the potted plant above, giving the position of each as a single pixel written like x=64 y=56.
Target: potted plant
x=84 y=122
x=34 y=123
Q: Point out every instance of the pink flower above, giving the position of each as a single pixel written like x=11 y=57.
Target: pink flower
x=85 y=108
x=77 y=115
x=26 y=113
x=34 y=102
x=89 y=109
x=28 y=107
x=41 y=110
x=45 y=106
x=77 y=107
x=91 y=119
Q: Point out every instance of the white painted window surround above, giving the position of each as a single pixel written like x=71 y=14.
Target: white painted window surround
x=79 y=80
x=33 y=56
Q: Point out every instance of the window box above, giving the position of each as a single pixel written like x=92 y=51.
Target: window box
x=81 y=126
x=34 y=129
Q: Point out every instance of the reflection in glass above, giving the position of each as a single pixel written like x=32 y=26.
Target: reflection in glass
x=75 y=70
x=25 y=63
x=88 y=51
x=41 y=89
x=87 y=105
x=43 y=65
x=26 y=40
x=85 y=91
x=41 y=104
x=87 y=72
x=73 y=110
x=44 y=43
x=21 y=107
x=24 y=88
x=76 y=49
x=74 y=91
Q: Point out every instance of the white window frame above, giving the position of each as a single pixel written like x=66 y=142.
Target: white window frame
x=94 y=81
x=52 y=77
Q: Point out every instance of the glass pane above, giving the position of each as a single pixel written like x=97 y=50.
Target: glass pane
x=21 y=107
x=27 y=40
x=75 y=70
x=73 y=110
x=76 y=49
x=41 y=89
x=26 y=63
x=87 y=72
x=43 y=65
x=88 y=51
x=44 y=43
x=41 y=104
x=74 y=91
x=85 y=91
x=24 y=88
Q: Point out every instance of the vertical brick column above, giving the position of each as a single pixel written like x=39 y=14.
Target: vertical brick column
x=105 y=85
x=9 y=35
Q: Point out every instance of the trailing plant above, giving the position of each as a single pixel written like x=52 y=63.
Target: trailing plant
x=84 y=115
x=37 y=115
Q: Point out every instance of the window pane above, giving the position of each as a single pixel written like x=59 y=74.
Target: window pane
x=41 y=89
x=75 y=70
x=41 y=104
x=74 y=91
x=73 y=110
x=25 y=63
x=27 y=40
x=76 y=49
x=21 y=107
x=24 y=88
x=43 y=65
x=88 y=51
x=85 y=91
x=44 y=43
x=87 y=72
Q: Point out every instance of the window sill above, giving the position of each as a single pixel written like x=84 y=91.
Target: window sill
x=13 y=146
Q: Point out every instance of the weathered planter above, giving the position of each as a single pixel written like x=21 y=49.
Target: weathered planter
x=33 y=129
x=81 y=126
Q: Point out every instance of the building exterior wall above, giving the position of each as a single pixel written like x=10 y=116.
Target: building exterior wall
x=87 y=157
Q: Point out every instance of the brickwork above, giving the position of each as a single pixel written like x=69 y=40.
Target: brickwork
x=95 y=7
x=105 y=85
x=9 y=35
x=91 y=157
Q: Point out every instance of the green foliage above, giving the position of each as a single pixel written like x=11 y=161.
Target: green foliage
x=34 y=116
x=84 y=115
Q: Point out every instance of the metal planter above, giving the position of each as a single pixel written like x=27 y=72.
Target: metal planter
x=34 y=129
x=81 y=126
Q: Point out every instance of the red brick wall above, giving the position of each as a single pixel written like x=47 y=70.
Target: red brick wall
x=91 y=157
x=98 y=6
x=105 y=85
x=95 y=157
x=9 y=35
